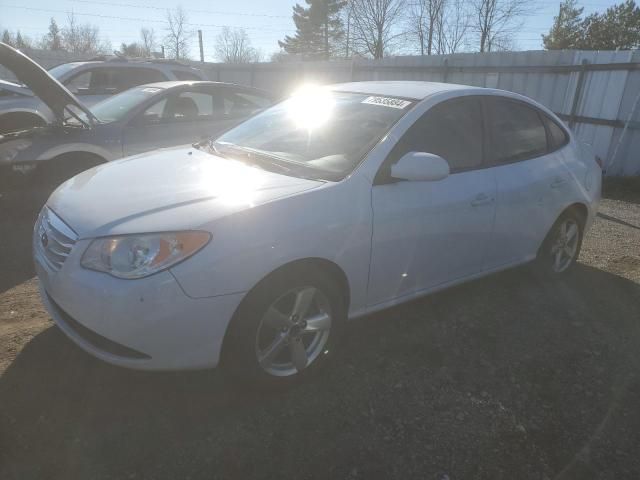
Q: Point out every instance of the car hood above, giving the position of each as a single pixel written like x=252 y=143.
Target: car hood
x=177 y=188
x=37 y=81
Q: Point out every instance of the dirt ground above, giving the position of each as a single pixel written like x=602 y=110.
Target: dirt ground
x=508 y=377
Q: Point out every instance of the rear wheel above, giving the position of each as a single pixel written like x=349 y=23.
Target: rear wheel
x=561 y=248
x=287 y=329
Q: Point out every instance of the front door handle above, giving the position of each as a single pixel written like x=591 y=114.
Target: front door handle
x=481 y=199
x=558 y=182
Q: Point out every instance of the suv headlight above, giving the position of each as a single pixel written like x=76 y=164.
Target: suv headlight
x=138 y=256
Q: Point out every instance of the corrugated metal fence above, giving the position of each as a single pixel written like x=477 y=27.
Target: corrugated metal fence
x=596 y=93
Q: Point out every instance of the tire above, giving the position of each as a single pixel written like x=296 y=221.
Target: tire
x=560 y=250
x=274 y=341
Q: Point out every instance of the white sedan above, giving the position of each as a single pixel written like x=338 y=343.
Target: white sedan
x=252 y=250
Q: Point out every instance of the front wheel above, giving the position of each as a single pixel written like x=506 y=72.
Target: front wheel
x=286 y=329
x=561 y=248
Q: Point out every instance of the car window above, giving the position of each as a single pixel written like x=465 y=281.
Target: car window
x=111 y=80
x=516 y=131
x=185 y=75
x=452 y=129
x=557 y=136
x=79 y=84
x=153 y=114
x=134 y=76
x=190 y=106
x=237 y=103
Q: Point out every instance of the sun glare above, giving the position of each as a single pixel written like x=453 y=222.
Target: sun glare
x=310 y=107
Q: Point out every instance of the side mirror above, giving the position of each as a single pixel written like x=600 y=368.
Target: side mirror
x=420 y=167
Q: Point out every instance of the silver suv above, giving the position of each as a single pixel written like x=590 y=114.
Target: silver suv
x=91 y=81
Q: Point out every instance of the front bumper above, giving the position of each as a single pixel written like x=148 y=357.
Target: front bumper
x=147 y=324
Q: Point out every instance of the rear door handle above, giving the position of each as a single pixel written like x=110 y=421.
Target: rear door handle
x=558 y=182
x=481 y=199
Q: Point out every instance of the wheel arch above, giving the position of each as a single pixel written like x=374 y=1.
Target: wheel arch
x=330 y=268
x=39 y=120
x=578 y=207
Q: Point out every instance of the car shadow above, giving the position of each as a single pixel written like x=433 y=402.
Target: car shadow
x=18 y=214
x=510 y=375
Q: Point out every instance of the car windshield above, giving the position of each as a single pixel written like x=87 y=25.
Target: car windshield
x=116 y=108
x=316 y=132
x=58 y=71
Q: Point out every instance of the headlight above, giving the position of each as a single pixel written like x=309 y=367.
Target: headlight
x=137 y=256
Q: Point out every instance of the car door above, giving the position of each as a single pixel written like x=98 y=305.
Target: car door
x=531 y=178
x=427 y=234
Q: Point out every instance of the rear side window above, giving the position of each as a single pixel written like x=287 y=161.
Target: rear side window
x=134 y=76
x=516 y=131
x=558 y=138
x=452 y=129
x=184 y=75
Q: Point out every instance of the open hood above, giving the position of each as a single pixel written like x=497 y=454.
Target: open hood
x=38 y=82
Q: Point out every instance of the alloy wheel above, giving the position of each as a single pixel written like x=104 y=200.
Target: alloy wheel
x=294 y=331
x=565 y=245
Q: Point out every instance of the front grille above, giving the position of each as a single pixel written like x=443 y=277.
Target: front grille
x=52 y=240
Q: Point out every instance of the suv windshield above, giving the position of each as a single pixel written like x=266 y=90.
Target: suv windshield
x=59 y=70
x=317 y=132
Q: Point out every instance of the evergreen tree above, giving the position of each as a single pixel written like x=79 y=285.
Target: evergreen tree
x=21 y=42
x=53 y=39
x=618 y=28
x=7 y=37
x=567 y=30
x=319 y=29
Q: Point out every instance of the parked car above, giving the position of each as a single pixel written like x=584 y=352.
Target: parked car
x=92 y=81
x=253 y=250
x=142 y=118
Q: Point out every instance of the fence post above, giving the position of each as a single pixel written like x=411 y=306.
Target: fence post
x=445 y=71
x=252 y=74
x=578 y=93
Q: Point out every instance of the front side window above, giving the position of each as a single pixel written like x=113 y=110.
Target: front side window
x=315 y=133
x=517 y=132
x=452 y=130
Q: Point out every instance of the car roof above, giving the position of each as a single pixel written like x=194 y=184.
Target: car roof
x=133 y=62
x=406 y=89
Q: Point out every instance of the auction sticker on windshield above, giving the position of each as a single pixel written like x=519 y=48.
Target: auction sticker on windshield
x=387 y=102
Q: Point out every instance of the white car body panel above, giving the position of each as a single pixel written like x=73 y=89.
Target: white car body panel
x=393 y=242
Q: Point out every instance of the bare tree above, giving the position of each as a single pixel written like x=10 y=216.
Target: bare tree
x=426 y=19
x=497 y=21
x=374 y=25
x=82 y=38
x=178 y=34
x=234 y=46
x=454 y=27
x=148 y=41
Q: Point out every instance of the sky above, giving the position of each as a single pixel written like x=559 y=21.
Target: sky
x=265 y=21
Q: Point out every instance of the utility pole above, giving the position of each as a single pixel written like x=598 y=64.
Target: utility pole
x=201 y=49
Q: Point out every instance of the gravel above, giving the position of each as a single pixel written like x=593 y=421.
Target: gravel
x=505 y=377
